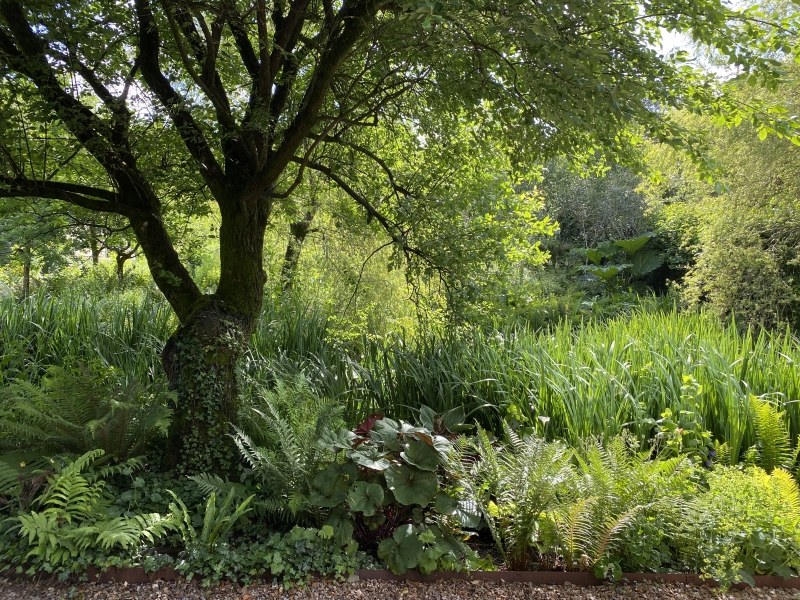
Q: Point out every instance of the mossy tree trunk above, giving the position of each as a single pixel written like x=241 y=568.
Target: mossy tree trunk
x=202 y=357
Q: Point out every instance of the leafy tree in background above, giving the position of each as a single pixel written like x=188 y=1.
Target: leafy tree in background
x=741 y=244
x=238 y=99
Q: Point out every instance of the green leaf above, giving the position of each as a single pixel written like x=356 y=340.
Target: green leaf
x=605 y=273
x=594 y=256
x=427 y=417
x=454 y=418
x=632 y=245
x=444 y=504
x=335 y=440
x=342 y=526
x=369 y=457
x=329 y=487
x=411 y=485
x=402 y=551
x=364 y=497
x=421 y=454
x=468 y=514
x=644 y=262
x=386 y=432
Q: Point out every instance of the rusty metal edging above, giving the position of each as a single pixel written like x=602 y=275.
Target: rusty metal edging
x=572 y=578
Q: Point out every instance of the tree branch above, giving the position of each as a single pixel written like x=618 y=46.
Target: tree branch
x=188 y=129
x=80 y=195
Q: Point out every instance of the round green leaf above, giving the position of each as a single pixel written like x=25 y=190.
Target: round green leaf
x=364 y=497
x=411 y=485
x=402 y=551
x=421 y=454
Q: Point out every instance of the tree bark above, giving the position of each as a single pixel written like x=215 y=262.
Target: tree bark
x=298 y=231
x=26 y=273
x=202 y=356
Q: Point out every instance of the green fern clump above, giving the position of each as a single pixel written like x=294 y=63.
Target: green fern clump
x=515 y=486
x=774 y=446
x=619 y=514
x=278 y=438
x=71 y=518
x=75 y=411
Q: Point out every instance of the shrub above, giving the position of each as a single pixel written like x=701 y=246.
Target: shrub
x=747 y=523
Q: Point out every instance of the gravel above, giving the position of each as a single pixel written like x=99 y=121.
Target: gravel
x=377 y=590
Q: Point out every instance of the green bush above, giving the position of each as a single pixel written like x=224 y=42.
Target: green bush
x=747 y=523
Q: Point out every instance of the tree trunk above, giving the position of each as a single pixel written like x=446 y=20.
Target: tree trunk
x=297 y=235
x=121 y=258
x=200 y=360
x=26 y=273
x=202 y=356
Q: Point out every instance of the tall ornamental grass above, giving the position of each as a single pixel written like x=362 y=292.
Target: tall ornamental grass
x=595 y=380
x=592 y=380
x=127 y=333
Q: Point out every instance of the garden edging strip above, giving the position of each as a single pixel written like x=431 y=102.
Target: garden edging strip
x=569 y=578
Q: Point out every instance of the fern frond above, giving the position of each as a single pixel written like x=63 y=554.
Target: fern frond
x=772 y=433
x=787 y=489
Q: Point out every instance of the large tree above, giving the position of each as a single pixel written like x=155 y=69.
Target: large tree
x=245 y=96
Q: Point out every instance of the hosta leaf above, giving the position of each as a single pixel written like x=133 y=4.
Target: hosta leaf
x=411 y=485
x=421 y=454
x=364 y=497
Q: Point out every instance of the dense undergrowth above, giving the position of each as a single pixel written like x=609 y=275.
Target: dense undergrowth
x=653 y=441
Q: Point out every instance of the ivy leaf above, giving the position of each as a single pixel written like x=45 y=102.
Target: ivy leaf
x=364 y=497
x=411 y=485
x=421 y=455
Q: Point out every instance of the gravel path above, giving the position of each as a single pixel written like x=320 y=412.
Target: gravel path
x=378 y=590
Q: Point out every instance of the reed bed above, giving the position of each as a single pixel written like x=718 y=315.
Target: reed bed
x=593 y=380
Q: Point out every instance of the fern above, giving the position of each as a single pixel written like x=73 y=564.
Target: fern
x=278 y=439
x=517 y=485
x=73 y=518
x=218 y=521
x=616 y=485
x=74 y=412
x=772 y=433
